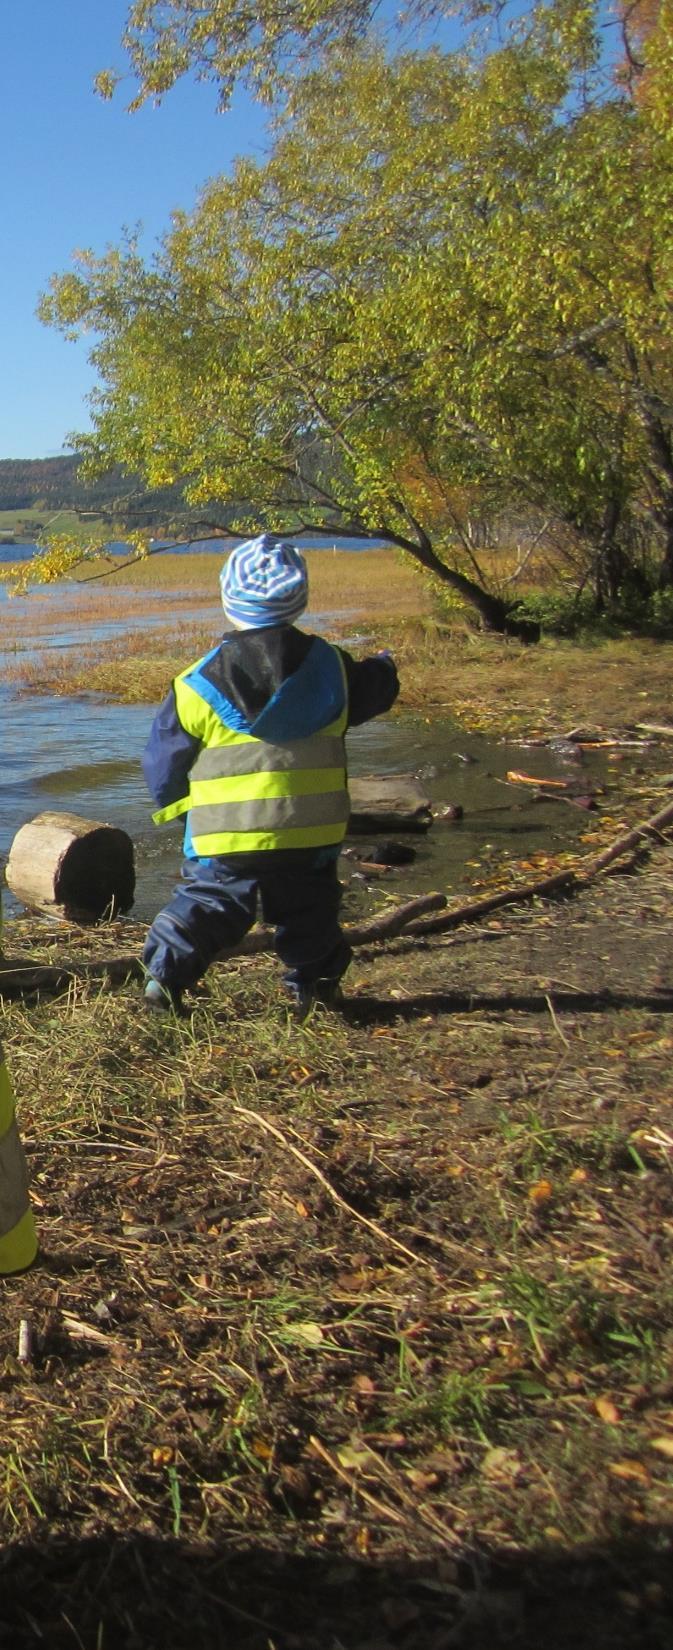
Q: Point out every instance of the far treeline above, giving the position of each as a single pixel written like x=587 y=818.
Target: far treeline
x=115 y=498
x=440 y=302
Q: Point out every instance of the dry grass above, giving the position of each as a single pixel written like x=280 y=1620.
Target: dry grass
x=167 y=610
x=499 y=685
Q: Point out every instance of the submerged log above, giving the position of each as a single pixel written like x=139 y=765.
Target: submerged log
x=66 y=866
x=395 y=802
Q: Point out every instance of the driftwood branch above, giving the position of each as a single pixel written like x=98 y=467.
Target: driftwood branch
x=385 y=926
x=562 y=882
x=474 y=909
x=629 y=839
x=19 y=977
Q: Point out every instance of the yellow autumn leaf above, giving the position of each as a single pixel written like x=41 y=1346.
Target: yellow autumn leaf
x=664 y=1445
x=162 y=1455
x=261 y=1449
x=305 y=1334
x=607 y=1411
x=540 y=1192
x=629 y=1470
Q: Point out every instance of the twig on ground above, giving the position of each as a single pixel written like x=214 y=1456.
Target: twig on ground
x=25 y=1348
x=554 y=1021
x=359 y=1489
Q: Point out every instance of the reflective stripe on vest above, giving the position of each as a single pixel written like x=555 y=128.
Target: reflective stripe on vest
x=18 y=1240
x=247 y=794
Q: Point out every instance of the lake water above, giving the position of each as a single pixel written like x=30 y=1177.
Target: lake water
x=25 y=552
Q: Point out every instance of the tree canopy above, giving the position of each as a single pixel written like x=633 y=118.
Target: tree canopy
x=450 y=275
x=231 y=41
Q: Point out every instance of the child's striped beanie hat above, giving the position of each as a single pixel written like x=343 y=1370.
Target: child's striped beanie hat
x=264 y=582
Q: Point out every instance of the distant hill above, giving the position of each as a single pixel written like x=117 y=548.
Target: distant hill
x=40 y=483
x=52 y=484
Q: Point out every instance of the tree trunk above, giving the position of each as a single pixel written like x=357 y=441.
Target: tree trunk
x=665 y=577
x=495 y=614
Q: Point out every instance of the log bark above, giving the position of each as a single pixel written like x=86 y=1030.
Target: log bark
x=70 y=867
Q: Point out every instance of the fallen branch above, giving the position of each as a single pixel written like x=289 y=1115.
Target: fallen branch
x=564 y=881
x=19 y=977
x=662 y=728
x=476 y=908
x=385 y=925
x=629 y=839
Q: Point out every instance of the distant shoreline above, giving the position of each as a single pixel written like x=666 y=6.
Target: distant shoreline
x=17 y=549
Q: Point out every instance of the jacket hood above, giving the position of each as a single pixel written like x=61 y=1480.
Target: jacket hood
x=283 y=684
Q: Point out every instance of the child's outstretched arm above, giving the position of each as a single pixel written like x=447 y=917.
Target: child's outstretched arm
x=373 y=686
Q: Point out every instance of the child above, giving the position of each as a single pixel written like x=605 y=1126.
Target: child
x=250 y=744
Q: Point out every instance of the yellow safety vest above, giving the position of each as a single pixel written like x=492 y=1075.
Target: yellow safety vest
x=18 y=1238
x=248 y=794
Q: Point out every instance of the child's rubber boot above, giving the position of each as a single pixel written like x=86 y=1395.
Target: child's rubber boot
x=303 y=997
x=162 y=999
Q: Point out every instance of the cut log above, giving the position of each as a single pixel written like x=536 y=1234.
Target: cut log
x=395 y=802
x=69 y=867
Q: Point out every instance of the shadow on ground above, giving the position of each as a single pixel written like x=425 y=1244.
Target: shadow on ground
x=135 y=1593
x=364 y=1010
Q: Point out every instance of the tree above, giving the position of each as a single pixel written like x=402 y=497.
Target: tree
x=449 y=273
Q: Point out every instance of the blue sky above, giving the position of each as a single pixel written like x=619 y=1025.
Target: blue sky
x=75 y=172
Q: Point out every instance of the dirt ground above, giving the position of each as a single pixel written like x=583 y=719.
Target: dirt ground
x=356 y=1335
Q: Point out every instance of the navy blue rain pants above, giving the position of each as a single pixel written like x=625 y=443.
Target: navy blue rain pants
x=215 y=904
